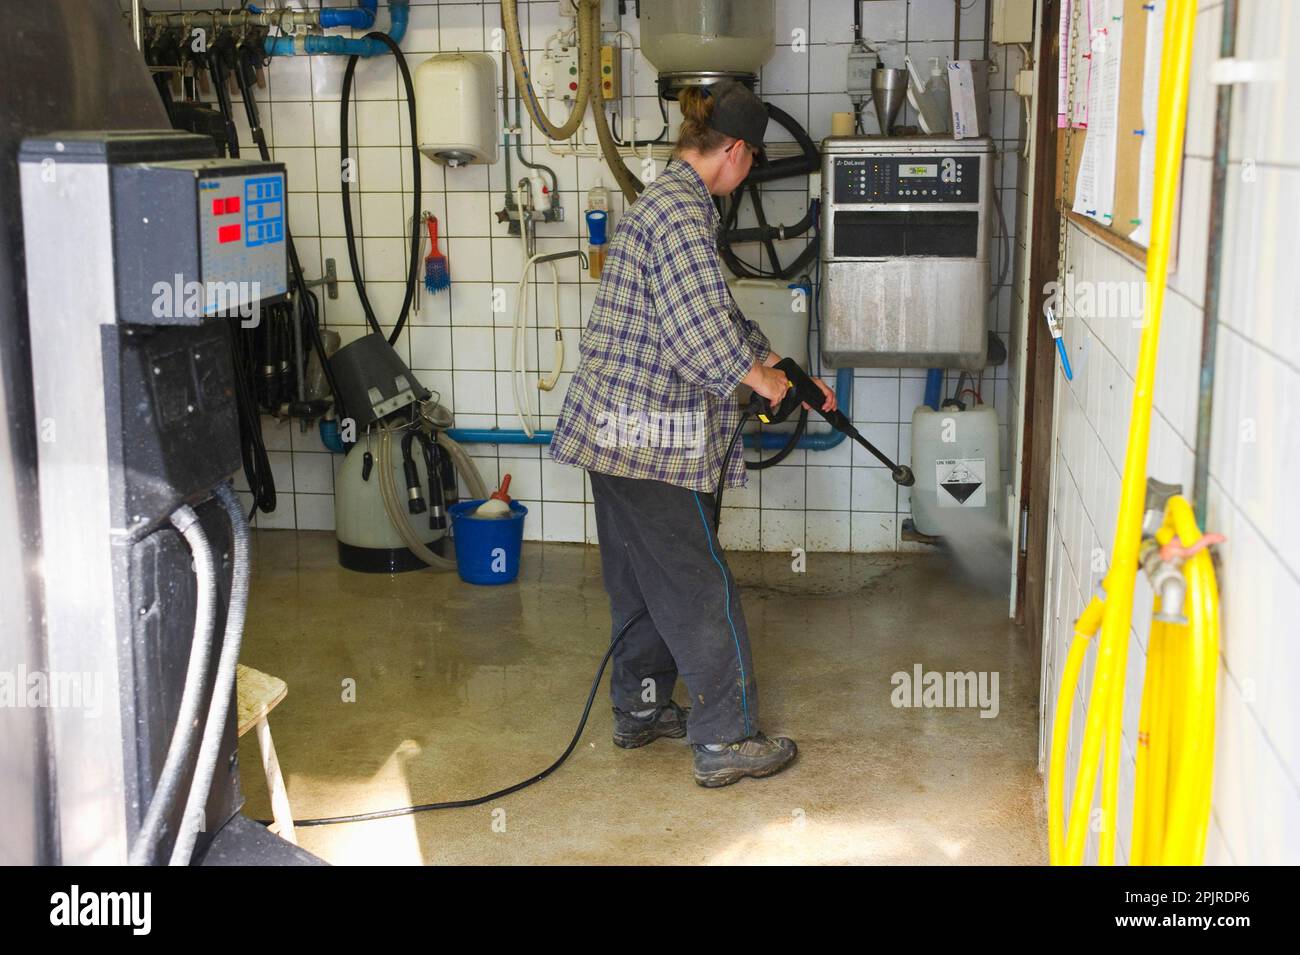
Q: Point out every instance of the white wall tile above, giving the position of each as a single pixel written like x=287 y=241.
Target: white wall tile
x=451 y=342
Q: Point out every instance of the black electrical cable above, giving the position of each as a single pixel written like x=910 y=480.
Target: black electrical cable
x=416 y=222
x=663 y=133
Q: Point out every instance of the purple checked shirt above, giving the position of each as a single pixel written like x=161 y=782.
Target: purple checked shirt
x=663 y=350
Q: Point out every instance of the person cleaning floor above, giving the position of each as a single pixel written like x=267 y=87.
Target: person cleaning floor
x=649 y=414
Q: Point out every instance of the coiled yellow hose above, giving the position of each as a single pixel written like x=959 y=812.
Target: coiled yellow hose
x=1176 y=735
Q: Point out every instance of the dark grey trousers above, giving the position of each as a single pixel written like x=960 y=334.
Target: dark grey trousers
x=658 y=552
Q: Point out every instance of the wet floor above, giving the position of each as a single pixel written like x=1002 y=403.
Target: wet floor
x=419 y=688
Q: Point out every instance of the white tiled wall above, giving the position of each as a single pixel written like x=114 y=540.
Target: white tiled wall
x=1256 y=443
x=835 y=500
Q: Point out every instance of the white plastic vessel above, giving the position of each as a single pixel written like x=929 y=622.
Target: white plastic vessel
x=456 y=108
x=780 y=311
x=367 y=539
x=958 y=471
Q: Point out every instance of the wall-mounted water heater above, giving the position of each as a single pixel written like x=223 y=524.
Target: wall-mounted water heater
x=905 y=237
x=456 y=102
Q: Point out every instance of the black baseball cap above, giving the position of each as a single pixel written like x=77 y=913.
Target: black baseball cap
x=738 y=112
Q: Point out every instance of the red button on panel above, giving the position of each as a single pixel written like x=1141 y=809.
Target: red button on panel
x=218 y=206
x=228 y=233
x=232 y=204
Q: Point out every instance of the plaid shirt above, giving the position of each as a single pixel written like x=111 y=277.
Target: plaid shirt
x=664 y=348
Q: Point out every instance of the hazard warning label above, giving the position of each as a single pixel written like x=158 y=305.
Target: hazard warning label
x=959 y=482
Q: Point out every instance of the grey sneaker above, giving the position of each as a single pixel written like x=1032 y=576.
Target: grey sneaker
x=632 y=731
x=756 y=756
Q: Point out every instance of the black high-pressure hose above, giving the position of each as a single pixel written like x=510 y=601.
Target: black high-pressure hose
x=500 y=793
x=801 y=425
x=416 y=223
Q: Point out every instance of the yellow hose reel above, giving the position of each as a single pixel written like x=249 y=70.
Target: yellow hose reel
x=1175 y=744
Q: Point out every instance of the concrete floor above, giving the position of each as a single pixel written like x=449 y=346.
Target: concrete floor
x=461 y=690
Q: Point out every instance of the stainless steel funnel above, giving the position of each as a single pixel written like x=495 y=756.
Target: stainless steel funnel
x=888 y=90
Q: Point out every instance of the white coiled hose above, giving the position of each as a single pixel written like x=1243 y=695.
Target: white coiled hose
x=519 y=341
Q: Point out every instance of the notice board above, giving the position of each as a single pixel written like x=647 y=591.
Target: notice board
x=1139 y=25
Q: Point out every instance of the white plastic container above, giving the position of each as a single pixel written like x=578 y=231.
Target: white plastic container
x=780 y=311
x=957 y=467
x=456 y=108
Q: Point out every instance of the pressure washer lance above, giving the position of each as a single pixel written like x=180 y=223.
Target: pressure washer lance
x=803 y=390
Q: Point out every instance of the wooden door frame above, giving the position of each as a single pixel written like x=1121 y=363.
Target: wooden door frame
x=1040 y=348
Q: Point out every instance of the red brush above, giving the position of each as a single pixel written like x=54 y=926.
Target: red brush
x=436 y=277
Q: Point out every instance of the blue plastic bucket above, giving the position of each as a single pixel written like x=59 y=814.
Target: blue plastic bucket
x=487 y=548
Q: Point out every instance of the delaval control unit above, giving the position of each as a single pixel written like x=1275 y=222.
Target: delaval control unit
x=905 y=252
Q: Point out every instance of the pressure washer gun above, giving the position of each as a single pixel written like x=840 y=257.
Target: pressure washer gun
x=803 y=390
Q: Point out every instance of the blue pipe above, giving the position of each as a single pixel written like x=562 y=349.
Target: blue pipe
x=822 y=441
x=497 y=436
x=809 y=442
x=934 y=387
x=399 y=14
x=361 y=16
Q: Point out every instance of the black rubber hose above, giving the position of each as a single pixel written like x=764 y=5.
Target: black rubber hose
x=252 y=450
x=577 y=735
x=252 y=447
x=247 y=55
x=416 y=223
x=218 y=73
x=722 y=477
x=808 y=221
x=185 y=734
x=223 y=688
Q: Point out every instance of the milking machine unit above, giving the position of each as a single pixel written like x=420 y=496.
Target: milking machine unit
x=392 y=494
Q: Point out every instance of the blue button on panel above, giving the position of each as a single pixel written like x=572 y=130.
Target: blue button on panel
x=263 y=210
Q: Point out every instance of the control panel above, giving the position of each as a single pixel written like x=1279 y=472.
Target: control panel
x=242 y=235
x=907 y=179
x=196 y=239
